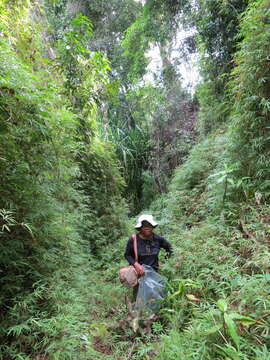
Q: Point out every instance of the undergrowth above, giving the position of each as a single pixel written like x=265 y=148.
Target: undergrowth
x=217 y=305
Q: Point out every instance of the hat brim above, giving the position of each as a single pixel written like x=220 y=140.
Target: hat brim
x=139 y=225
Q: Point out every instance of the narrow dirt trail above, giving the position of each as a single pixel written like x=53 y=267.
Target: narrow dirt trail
x=111 y=324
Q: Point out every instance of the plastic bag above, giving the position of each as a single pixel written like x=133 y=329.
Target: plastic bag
x=151 y=290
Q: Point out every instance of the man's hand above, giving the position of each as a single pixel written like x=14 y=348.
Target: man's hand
x=139 y=269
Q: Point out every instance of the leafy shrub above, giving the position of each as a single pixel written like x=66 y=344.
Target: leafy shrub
x=45 y=269
x=250 y=89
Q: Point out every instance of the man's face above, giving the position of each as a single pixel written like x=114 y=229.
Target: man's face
x=147 y=228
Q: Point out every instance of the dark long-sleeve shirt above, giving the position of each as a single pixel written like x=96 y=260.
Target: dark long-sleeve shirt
x=148 y=250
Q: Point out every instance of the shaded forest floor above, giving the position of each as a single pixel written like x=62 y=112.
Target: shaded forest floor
x=217 y=305
x=111 y=331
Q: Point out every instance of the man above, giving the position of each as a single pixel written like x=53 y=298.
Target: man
x=148 y=245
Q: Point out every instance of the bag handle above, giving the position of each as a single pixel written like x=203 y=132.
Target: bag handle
x=134 y=238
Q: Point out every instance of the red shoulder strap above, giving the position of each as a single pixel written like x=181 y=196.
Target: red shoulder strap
x=134 y=238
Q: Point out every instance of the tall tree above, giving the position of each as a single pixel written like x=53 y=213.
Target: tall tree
x=172 y=126
x=217 y=24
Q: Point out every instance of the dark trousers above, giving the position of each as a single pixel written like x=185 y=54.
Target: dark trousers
x=135 y=292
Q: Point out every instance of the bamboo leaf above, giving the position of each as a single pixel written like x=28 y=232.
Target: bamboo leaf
x=232 y=330
x=222 y=305
x=212 y=330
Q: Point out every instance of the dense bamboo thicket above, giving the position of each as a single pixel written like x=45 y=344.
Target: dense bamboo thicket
x=60 y=188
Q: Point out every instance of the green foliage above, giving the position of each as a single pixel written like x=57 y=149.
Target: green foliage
x=62 y=217
x=217 y=24
x=156 y=24
x=100 y=180
x=132 y=146
x=135 y=45
x=211 y=262
x=45 y=269
x=249 y=87
x=214 y=104
x=169 y=108
x=219 y=231
x=173 y=131
x=83 y=70
x=149 y=191
x=119 y=15
x=37 y=170
x=23 y=34
x=202 y=161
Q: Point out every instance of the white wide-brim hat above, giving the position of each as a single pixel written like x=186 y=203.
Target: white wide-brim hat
x=148 y=218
